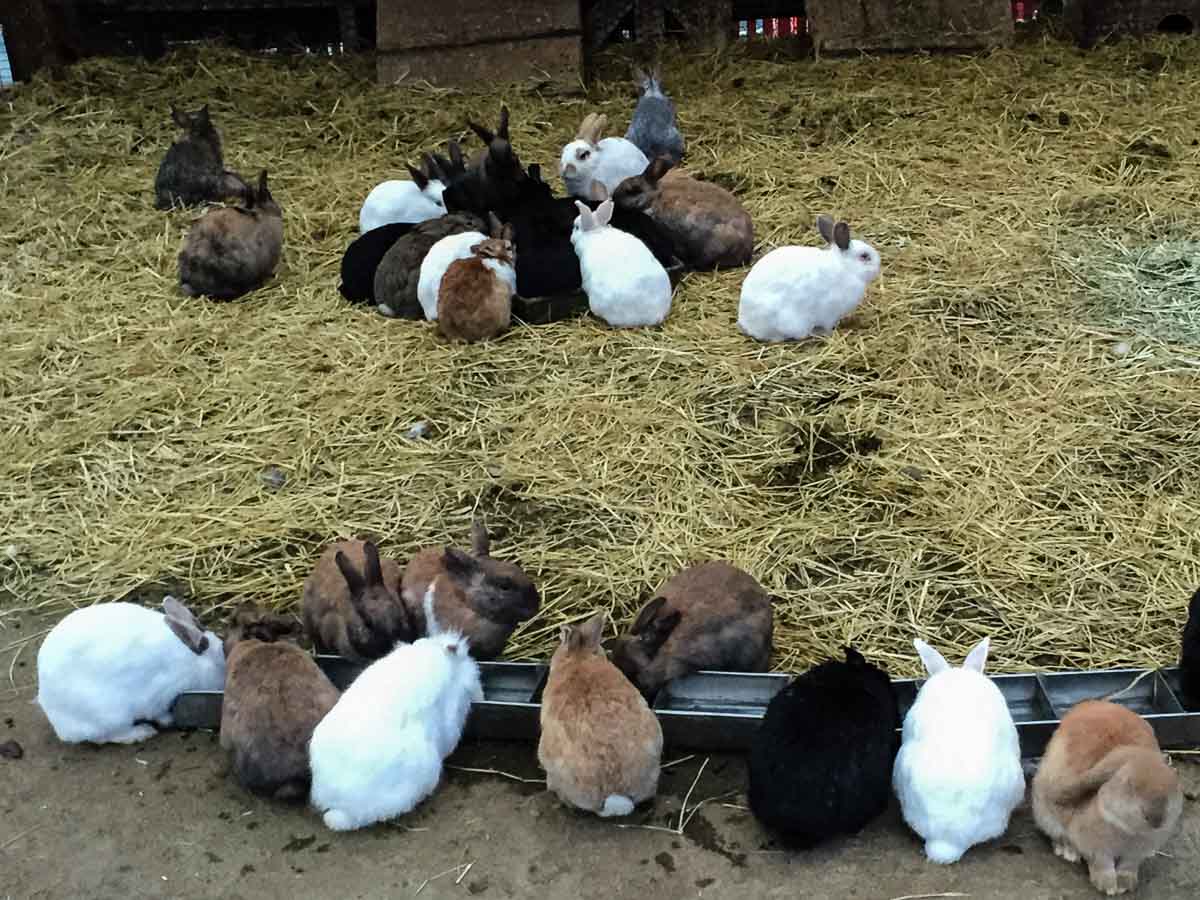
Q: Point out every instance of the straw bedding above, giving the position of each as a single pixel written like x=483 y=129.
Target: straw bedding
x=972 y=453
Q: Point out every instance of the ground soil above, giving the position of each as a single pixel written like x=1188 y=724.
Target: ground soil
x=164 y=820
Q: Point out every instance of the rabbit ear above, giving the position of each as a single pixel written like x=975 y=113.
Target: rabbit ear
x=264 y=192
x=481 y=541
x=977 y=658
x=597 y=191
x=420 y=179
x=178 y=118
x=431 y=623
x=484 y=135
x=841 y=235
x=372 y=568
x=502 y=131
x=494 y=227
x=508 y=234
x=598 y=127
x=586 y=220
x=590 y=633
x=854 y=657
x=202 y=115
x=603 y=213
x=585 y=129
x=184 y=626
x=354 y=581
x=646 y=616
x=659 y=166
x=934 y=661
x=825 y=227
x=456 y=156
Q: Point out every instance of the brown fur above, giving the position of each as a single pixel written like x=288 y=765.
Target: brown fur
x=709 y=616
x=591 y=129
x=599 y=737
x=275 y=695
x=483 y=598
x=708 y=226
x=360 y=621
x=1104 y=794
x=475 y=303
x=399 y=272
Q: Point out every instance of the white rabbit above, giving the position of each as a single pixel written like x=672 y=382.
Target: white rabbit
x=958 y=774
x=110 y=673
x=588 y=158
x=446 y=251
x=403 y=201
x=625 y=285
x=795 y=292
x=379 y=751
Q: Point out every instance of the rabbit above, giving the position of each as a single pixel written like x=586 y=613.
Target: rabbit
x=478 y=596
x=110 y=673
x=352 y=602
x=361 y=260
x=1189 y=656
x=192 y=171
x=795 y=292
x=475 y=297
x=601 y=745
x=441 y=255
x=959 y=714
x=1103 y=793
x=398 y=275
x=379 y=751
x=495 y=181
x=233 y=250
x=404 y=201
x=275 y=694
x=708 y=226
x=709 y=616
x=821 y=763
x=625 y=285
x=588 y=158
x=653 y=128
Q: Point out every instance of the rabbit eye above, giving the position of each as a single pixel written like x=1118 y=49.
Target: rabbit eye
x=865 y=257
x=584 y=154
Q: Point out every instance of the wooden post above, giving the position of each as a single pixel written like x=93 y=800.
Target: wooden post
x=39 y=33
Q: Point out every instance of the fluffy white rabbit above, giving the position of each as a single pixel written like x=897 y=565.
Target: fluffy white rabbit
x=588 y=158
x=446 y=251
x=110 y=673
x=625 y=285
x=958 y=774
x=379 y=751
x=795 y=292
x=403 y=201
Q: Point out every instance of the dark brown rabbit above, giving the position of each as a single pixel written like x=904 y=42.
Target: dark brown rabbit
x=708 y=225
x=233 y=249
x=475 y=296
x=495 y=180
x=275 y=695
x=710 y=616
x=399 y=272
x=352 y=603
x=483 y=598
x=193 y=171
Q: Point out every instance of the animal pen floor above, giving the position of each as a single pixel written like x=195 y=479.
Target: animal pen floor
x=971 y=454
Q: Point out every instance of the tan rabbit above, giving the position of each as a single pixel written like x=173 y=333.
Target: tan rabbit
x=709 y=616
x=275 y=695
x=601 y=745
x=352 y=602
x=1103 y=793
x=475 y=296
x=708 y=226
x=480 y=597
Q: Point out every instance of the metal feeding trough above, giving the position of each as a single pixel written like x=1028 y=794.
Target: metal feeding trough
x=721 y=711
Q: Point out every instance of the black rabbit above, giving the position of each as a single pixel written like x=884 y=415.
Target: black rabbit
x=193 y=171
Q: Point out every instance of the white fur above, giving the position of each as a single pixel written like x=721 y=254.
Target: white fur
x=616 y=805
x=610 y=162
x=625 y=285
x=958 y=774
x=795 y=292
x=379 y=751
x=437 y=261
x=401 y=201
x=106 y=666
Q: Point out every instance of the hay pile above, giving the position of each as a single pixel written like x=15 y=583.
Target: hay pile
x=964 y=457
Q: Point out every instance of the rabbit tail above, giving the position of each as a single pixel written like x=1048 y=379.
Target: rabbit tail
x=616 y=805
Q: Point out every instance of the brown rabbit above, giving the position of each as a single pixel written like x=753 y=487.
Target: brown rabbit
x=709 y=616
x=352 y=602
x=708 y=225
x=192 y=171
x=480 y=597
x=274 y=697
x=601 y=745
x=475 y=296
x=233 y=249
x=1104 y=794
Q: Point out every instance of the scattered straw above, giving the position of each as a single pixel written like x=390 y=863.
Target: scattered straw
x=964 y=457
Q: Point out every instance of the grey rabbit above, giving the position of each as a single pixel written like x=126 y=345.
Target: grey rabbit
x=193 y=171
x=653 y=127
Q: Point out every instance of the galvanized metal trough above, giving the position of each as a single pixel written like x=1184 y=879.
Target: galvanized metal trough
x=720 y=711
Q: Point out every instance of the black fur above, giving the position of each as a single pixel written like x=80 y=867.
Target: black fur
x=1189 y=657
x=362 y=258
x=821 y=764
x=192 y=171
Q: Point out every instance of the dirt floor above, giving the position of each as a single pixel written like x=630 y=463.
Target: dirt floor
x=163 y=820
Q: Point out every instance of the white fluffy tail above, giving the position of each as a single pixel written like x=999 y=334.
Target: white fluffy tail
x=431 y=625
x=336 y=820
x=943 y=852
x=616 y=805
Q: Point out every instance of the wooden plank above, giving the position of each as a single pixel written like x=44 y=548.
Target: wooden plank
x=501 y=61
x=837 y=26
x=421 y=25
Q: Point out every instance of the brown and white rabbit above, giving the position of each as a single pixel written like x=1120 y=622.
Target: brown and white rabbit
x=480 y=597
x=475 y=295
x=233 y=249
x=193 y=171
x=1103 y=793
x=710 y=616
x=352 y=602
x=708 y=225
x=275 y=694
x=601 y=745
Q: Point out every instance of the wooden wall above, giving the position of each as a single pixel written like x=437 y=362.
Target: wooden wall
x=839 y=26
